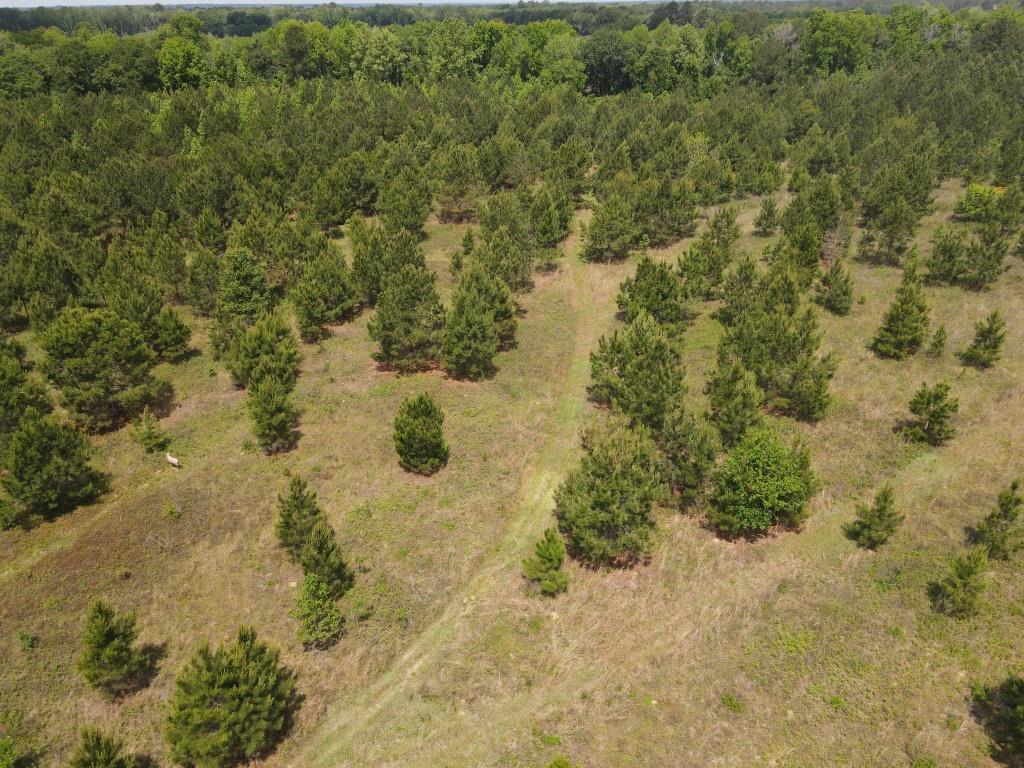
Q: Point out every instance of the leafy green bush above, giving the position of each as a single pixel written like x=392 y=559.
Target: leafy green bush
x=762 y=483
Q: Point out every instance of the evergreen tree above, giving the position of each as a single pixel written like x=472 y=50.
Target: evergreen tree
x=321 y=556
x=46 y=470
x=267 y=349
x=703 y=265
x=767 y=220
x=959 y=593
x=637 y=372
x=147 y=432
x=937 y=347
x=547 y=220
x=346 y=187
x=320 y=619
x=604 y=507
x=419 y=435
x=613 y=230
x=835 y=291
x=933 y=408
x=369 y=258
x=325 y=294
x=209 y=231
x=404 y=203
x=471 y=335
x=656 y=289
x=905 y=325
x=170 y=336
x=502 y=256
x=18 y=391
x=986 y=348
x=109 y=660
x=999 y=532
x=230 y=705
x=762 y=483
x=97 y=750
x=101 y=364
x=735 y=399
x=875 y=523
x=409 y=321
x=243 y=296
x=298 y=511
x=545 y=567
x=201 y=281
x=690 y=446
x=275 y=419
x=665 y=210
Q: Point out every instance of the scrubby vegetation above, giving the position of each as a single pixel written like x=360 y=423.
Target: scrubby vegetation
x=665 y=276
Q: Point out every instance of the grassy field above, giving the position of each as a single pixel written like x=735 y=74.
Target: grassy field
x=794 y=650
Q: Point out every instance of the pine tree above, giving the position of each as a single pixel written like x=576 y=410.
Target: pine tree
x=346 y=187
x=502 y=256
x=875 y=523
x=637 y=372
x=835 y=291
x=999 y=532
x=201 y=280
x=102 y=366
x=230 y=705
x=405 y=203
x=297 y=513
x=613 y=230
x=409 y=322
x=147 y=432
x=267 y=349
x=702 y=266
x=275 y=419
x=937 y=347
x=325 y=294
x=242 y=289
x=959 y=593
x=545 y=567
x=604 y=507
x=656 y=289
x=933 y=408
x=171 y=335
x=419 y=435
x=46 y=470
x=471 y=335
x=767 y=220
x=986 y=348
x=547 y=221
x=18 y=391
x=109 y=660
x=905 y=325
x=762 y=483
x=735 y=399
x=321 y=556
x=690 y=445
x=97 y=750
x=320 y=619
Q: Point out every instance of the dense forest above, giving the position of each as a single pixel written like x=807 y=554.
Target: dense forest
x=274 y=196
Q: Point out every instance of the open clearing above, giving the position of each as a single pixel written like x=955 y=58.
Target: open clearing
x=795 y=650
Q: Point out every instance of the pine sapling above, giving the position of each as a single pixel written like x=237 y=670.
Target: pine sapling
x=959 y=593
x=937 y=347
x=147 y=432
x=999 y=532
x=545 y=567
x=320 y=619
x=986 y=348
x=933 y=407
x=875 y=523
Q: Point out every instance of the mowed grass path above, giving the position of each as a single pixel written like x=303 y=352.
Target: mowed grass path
x=795 y=650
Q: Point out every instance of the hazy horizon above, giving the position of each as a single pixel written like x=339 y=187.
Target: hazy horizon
x=90 y=3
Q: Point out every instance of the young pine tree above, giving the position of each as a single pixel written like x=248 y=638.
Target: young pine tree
x=637 y=372
x=604 y=507
x=905 y=325
x=875 y=523
x=690 y=446
x=322 y=557
x=655 y=288
x=545 y=567
x=274 y=417
x=613 y=231
x=171 y=335
x=986 y=348
x=46 y=470
x=267 y=349
x=471 y=335
x=409 y=322
x=761 y=484
x=999 y=531
x=326 y=294
x=767 y=220
x=97 y=750
x=959 y=593
x=835 y=291
x=230 y=705
x=297 y=513
x=109 y=660
x=419 y=435
x=147 y=432
x=320 y=619
x=937 y=346
x=735 y=399
x=243 y=296
x=933 y=408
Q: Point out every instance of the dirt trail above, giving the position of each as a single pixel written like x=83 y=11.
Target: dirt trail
x=344 y=723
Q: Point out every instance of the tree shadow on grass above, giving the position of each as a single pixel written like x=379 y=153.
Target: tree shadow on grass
x=999 y=709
